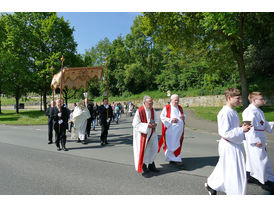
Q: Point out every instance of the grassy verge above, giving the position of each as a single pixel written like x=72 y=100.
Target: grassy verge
x=11 y=100
x=35 y=117
x=25 y=117
x=210 y=113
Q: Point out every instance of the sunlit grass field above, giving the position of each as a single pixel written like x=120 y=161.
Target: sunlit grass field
x=210 y=113
x=25 y=117
x=36 y=117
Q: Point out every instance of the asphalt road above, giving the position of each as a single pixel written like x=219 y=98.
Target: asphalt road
x=29 y=166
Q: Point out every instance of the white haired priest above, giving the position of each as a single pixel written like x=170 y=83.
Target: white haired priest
x=173 y=123
x=145 y=140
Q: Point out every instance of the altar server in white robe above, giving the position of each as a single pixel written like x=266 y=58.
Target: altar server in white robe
x=145 y=140
x=229 y=175
x=80 y=116
x=173 y=119
x=257 y=160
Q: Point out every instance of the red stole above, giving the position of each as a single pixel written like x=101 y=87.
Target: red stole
x=143 y=118
x=162 y=140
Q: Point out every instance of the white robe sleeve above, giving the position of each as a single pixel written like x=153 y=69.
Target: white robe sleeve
x=155 y=117
x=269 y=126
x=166 y=121
x=250 y=136
x=138 y=125
x=87 y=113
x=227 y=131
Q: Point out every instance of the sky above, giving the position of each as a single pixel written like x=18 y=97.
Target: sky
x=95 y=20
x=92 y=27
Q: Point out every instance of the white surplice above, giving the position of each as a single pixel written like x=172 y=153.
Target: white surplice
x=173 y=133
x=229 y=175
x=80 y=121
x=151 y=147
x=257 y=160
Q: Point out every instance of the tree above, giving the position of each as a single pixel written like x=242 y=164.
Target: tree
x=15 y=60
x=215 y=32
x=52 y=38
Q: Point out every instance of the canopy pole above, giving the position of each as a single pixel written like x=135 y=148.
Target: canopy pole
x=61 y=88
x=107 y=82
x=52 y=89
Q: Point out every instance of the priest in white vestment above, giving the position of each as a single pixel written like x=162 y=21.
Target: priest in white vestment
x=145 y=140
x=173 y=119
x=257 y=160
x=229 y=175
x=80 y=116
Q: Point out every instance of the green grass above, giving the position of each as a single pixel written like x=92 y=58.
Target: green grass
x=156 y=94
x=11 y=100
x=36 y=117
x=25 y=117
x=210 y=113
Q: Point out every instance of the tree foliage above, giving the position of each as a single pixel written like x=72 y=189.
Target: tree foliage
x=177 y=51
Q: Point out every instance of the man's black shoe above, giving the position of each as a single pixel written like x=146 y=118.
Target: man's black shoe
x=210 y=190
x=179 y=165
x=65 y=149
x=172 y=162
x=145 y=169
x=102 y=143
x=58 y=149
x=106 y=142
x=93 y=129
x=268 y=186
x=50 y=142
x=84 y=142
x=252 y=180
x=78 y=140
x=152 y=167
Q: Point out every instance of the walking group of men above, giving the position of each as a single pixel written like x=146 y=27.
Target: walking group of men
x=81 y=118
x=145 y=139
x=232 y=172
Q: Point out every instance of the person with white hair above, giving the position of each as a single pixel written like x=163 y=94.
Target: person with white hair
x=80 y=116
x=173 y=123
x=145 y=140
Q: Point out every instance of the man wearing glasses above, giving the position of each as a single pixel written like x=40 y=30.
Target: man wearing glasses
x=145 y=140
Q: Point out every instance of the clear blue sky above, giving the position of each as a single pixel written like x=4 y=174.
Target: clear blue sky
x=92 y=27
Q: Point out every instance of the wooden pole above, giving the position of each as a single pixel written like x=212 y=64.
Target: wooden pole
x=61 y=82
x=61 y=88
x=107 y=81
x=51 y=80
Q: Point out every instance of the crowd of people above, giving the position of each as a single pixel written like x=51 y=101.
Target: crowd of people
x=83 y=116
x=232 y=172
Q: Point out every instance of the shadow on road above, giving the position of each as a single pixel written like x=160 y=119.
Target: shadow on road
x=193 y=163
x=189 y=164
x=112 y=140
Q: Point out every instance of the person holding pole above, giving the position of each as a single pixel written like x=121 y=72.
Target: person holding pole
x=61 y=117
x=105 y=117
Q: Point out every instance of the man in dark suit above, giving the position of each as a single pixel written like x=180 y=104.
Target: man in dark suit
x=49 y=113
x=105 y=116
x=89 y=120
x=60 y=120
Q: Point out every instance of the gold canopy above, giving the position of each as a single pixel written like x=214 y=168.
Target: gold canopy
x=77 y=77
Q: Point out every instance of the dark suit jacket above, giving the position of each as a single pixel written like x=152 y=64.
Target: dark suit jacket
x=103 y=114
x=64 y=117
